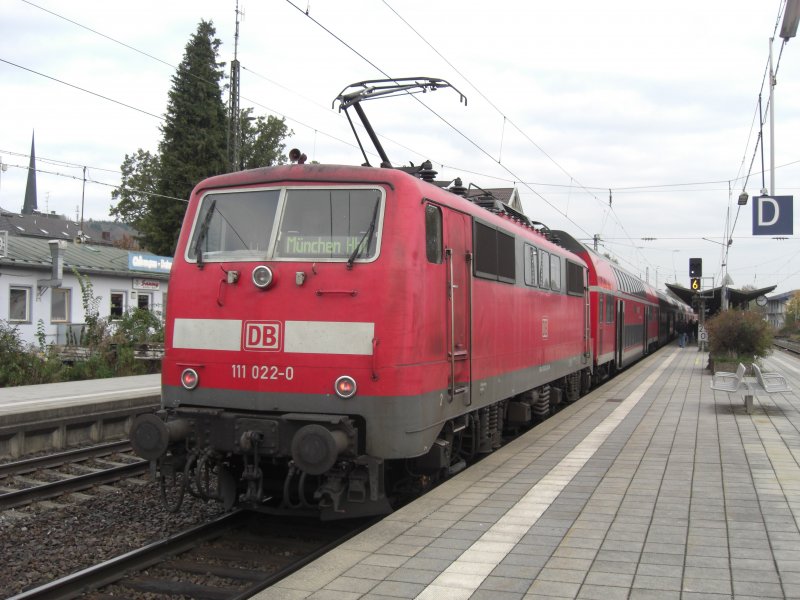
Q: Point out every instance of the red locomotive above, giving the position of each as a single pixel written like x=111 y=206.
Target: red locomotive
x=339 y=335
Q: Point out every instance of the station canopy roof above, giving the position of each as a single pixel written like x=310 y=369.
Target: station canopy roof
x=713 y=297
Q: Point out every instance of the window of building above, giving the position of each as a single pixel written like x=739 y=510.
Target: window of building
x=117 y=305
x=60 y=308
x=143 y=301
x=433 y=234
x=162 y=310
x=19 y=304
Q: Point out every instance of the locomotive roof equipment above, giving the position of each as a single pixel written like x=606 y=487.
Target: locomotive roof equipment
x=372 y=89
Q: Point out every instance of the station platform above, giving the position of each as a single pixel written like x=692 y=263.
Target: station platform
x=54 y=396
x=58 y=416
x=652 y=486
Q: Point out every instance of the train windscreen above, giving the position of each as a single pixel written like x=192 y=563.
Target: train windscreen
x=330 y=223
x=288 y=224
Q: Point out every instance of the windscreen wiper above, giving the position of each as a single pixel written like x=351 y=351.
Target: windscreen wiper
x=201 y=236
x=367 y=235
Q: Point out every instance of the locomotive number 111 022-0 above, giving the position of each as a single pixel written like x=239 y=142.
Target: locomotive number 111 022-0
x=240 y=371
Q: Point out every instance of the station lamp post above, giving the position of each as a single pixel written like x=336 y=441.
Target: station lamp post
x=791 y=18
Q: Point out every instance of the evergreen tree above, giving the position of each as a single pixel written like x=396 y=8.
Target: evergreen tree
x=193 y=145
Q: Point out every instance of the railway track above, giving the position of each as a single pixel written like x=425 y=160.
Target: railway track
x=50 y=476
x=792 y=347
x=231 y=557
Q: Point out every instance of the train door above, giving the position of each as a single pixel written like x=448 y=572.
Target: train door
x=601 y=323
x=458 y=257
x=620 y=332
x=587 y=319
x=646 y=331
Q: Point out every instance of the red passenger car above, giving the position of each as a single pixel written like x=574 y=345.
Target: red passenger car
x=630 y=318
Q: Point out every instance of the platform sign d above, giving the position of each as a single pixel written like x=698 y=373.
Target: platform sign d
x=772 y=215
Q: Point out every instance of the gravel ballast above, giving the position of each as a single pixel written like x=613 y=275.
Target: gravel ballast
x=50 y=540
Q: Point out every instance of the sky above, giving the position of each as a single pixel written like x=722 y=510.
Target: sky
x=633 y=121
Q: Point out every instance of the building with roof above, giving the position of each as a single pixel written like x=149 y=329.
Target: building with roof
x=776 y=308
x=40 y=291
x=52 y=226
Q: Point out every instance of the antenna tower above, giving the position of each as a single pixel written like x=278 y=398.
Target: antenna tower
x=234 y=125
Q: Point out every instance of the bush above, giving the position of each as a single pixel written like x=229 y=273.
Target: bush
x=738 y=336
x=22 y=364
x=139 y=326
x=111 y=354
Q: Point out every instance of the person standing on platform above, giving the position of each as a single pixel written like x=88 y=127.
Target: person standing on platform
x=695 y=325
x=680 y=329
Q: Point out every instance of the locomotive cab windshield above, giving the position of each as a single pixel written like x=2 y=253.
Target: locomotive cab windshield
x=304 y=223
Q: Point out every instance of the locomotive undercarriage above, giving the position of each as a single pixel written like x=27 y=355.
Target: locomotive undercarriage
x=316 y=463
x=293 y=462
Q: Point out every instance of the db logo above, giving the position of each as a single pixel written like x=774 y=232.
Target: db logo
x=262 y=336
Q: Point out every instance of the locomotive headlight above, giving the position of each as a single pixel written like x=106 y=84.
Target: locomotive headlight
x=262 y=276
x=189 y=379
x=345 y=387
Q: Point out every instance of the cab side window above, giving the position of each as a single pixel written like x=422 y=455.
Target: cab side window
x=433 y=234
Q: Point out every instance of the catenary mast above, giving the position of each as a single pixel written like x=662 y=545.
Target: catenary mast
x=234 y=126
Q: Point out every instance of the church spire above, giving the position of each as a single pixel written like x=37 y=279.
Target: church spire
x=29 y=207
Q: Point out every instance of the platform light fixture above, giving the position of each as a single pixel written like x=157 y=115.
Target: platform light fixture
x=791 y=18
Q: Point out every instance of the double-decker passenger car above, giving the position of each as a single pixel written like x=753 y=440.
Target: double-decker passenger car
x=627 y=313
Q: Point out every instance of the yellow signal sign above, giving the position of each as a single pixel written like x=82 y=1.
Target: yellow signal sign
x=695 y=284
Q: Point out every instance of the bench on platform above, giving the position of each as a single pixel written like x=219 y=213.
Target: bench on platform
x=771 y=382
x=731 y=382
x=728 y=382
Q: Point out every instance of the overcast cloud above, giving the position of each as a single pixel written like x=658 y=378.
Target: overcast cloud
x=654 y=101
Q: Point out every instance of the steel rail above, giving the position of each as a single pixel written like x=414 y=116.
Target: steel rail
x=299 y=564
x=48 y=461
x=117 y=568
x=68 y=486
x=793 y=347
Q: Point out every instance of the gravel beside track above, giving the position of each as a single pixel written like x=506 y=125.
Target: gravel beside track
x=47 y=541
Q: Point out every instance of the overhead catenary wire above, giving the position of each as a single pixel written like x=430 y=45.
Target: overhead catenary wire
x=440 y=117
x=589 y=188
x=554 y=187
x=769 y=73
x=94 y=181
x=606 y=210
